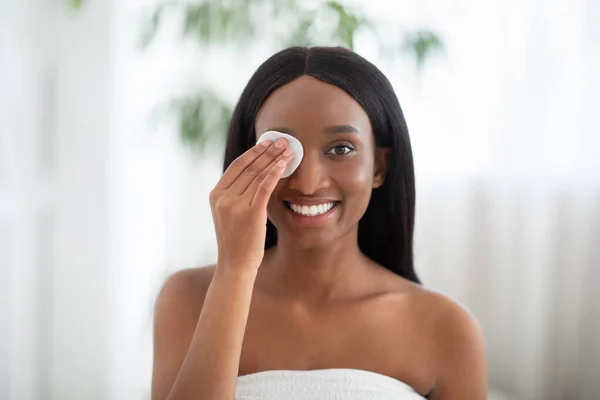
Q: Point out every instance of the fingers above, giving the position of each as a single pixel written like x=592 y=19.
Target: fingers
x=237 y=167
x=258 y=167
x=286 y=156
x=265 y=183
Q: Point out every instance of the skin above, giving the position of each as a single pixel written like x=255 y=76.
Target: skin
x=314 y=301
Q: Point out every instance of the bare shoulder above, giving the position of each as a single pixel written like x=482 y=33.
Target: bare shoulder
x=457 y=343
x=432 y=311
x=180 y=300
x=186 y=285
x=443 y=313
x=439 y=318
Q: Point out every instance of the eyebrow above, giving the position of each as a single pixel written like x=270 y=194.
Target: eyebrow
x=328 y=129
x=341 y=129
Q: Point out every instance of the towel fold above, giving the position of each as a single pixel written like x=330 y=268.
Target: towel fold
x=323 y=384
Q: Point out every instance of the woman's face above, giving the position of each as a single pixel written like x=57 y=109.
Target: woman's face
x=324 y=199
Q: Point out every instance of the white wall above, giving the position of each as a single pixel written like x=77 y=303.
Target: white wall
x=15 y=224
x=80 y=291
x=56 y=223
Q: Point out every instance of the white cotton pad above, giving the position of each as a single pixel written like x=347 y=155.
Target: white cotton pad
x=293 y=144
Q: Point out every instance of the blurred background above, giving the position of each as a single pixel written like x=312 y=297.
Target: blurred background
x=112 y=115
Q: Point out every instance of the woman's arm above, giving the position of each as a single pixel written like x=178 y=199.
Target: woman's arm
x=200 y=360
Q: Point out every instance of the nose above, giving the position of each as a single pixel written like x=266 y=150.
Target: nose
x=309 y=177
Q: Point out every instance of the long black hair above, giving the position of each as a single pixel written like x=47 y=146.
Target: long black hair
x=385 y=232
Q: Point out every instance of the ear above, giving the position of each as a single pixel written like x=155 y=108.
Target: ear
x=382 y=155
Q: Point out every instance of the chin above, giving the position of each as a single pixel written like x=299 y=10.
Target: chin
x=308 y=240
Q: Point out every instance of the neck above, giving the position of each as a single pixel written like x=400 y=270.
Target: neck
x=315 y=274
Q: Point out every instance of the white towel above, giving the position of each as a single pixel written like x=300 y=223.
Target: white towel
x=322 y=384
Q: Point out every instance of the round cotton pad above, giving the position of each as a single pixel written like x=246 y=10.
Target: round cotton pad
x=293 y=143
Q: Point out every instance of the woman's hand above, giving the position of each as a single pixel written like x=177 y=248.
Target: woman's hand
x=239 y=204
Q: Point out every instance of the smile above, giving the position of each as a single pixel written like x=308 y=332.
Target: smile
x=312 y=210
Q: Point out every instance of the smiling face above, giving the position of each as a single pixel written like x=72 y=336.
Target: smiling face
x=324 y=199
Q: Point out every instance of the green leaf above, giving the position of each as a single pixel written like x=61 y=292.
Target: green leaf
x=422 y=45
x=150 y=28
x=349 y=22
x=208 y=22
x=203 y=119
x=216 y=23
x=77 y=4
x=302 y=34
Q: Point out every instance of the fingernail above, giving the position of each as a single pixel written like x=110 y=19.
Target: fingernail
x=280 y=143
x=281 y=163
x=288 y=152
x=266 y=143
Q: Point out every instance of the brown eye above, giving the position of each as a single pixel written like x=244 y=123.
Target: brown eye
x=341 y=150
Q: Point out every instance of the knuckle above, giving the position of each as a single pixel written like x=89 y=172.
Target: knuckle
x=263 y=191
x=257 y=150
x=262 y=177
x=221 y=204
x=251 y=170
x=239 y=162
x=272 y=153
x=274 y=171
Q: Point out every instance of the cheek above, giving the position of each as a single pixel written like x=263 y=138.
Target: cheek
x=354 y=177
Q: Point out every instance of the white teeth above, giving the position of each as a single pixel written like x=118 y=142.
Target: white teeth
x=311 y=211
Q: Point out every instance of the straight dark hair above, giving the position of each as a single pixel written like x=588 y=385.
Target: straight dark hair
x=385 y=232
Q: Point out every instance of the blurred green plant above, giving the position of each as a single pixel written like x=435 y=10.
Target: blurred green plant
x=421 y=45
x=203 y=117
x=76 y=4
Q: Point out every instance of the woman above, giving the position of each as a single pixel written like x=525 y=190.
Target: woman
x=324 y=304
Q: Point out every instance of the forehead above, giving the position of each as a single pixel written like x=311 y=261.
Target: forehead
x=307 y=103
